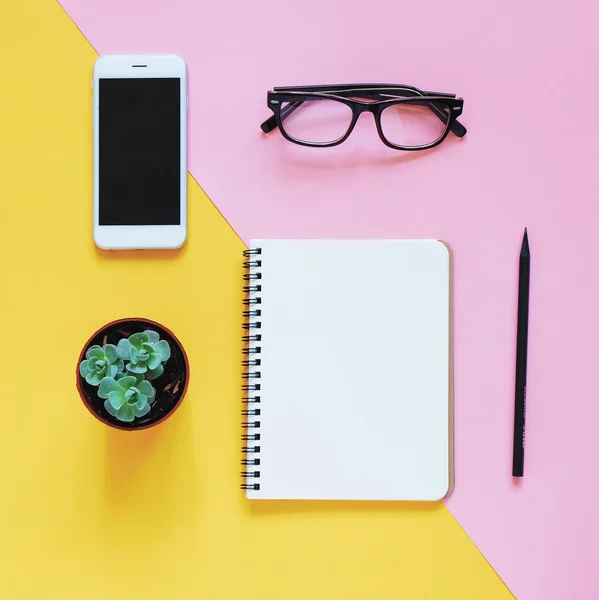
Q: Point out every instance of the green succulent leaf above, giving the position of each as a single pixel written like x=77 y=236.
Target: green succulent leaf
x=95 y=352
x=125 y=413
x=91 y=364
x=163 y=349
x=109 y=408
x=111 y=353
x=137 y=339
x=120 y=365
x=138 y=376
x=83 y=369
x=133 y=354
x=154 y=360
x=141 y=401
x=123 y=348
x=141 y=412
x=155 y=373
x=130 y=394
x=93 y=378
x=108 y=385
x=112 y=371
x=139 y=368
x=154 y=337
x=126 y=382
x=117 y=399
x=146 y=388
x=143 y=355
x=100 y=367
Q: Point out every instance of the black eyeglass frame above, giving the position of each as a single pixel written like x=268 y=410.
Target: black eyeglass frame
x=379 y=100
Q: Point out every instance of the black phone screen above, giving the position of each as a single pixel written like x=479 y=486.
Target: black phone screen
x=139 y=151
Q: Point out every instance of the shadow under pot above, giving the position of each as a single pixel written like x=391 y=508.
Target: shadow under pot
x=132 y=374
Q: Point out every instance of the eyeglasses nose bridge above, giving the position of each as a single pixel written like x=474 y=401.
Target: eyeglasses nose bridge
x=367 y=107
x=370 y=107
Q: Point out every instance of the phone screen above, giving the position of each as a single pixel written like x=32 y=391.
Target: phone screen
x=139 y=151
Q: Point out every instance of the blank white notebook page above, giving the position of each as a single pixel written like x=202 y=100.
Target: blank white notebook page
x=354 y=370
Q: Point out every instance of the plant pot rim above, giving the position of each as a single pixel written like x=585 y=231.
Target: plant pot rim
x=82 y=355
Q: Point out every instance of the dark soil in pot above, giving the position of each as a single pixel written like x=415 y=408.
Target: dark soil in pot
x=170 y=386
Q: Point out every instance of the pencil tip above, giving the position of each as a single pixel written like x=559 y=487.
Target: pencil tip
x=525 y=251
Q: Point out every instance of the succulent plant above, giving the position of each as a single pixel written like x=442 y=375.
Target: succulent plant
x=101 y=362
x=122 y=373
x=128 y=397
x=146 y=352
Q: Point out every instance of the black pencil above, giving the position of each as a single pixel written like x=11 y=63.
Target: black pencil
x=521 y=359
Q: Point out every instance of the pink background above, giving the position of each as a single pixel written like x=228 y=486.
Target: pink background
x=529 y=74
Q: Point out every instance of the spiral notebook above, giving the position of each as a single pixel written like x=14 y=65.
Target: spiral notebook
x=347 y=370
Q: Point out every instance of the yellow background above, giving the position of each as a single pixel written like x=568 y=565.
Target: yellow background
x=91 y=513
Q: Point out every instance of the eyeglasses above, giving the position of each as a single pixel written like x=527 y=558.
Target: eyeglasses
x=325 y=115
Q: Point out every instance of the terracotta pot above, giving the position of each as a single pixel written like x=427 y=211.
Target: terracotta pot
x=170 y=387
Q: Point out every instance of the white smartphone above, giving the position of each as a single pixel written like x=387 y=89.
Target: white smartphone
x=140 y=152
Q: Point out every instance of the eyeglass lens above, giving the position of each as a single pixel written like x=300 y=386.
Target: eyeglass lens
x=412 y=125
x=318 y=121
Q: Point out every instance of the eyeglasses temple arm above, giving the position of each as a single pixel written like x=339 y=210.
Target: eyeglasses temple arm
x=271 y=124
x=456 y=127
x=349 y=87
